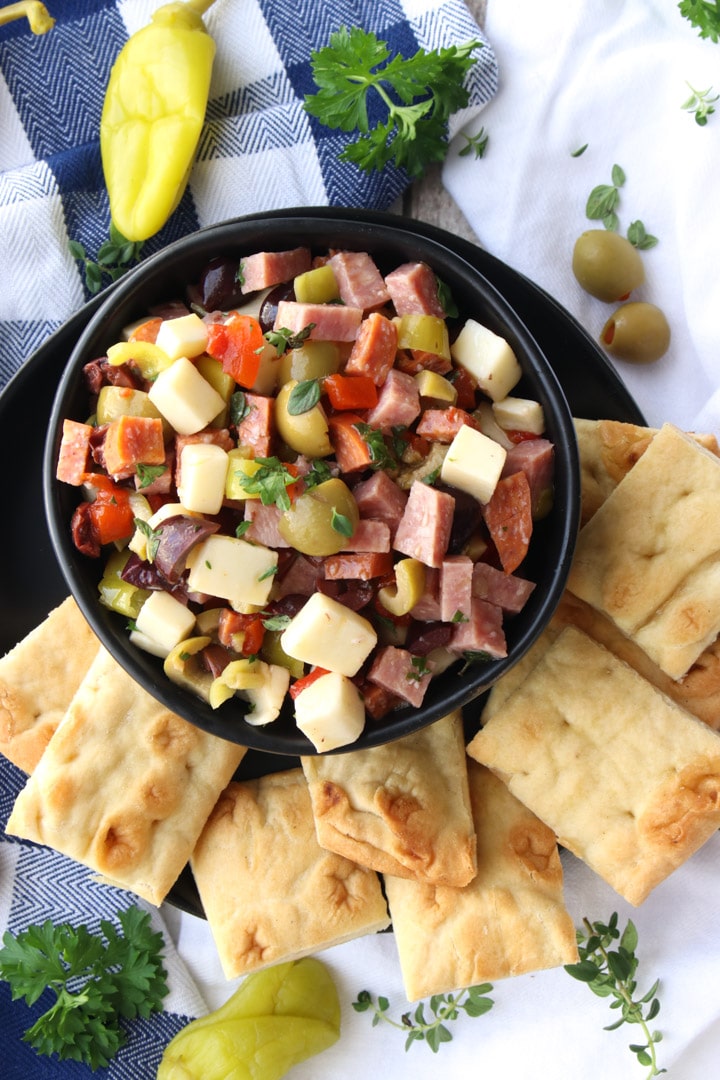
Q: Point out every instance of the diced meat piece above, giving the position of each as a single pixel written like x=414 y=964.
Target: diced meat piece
x=255 y=430
x=217 y=436
x=330 y=322
x=536 y=458
x=508 y=517
x=482 y=633
x=374 y=349
x=130 y=441
x=381 y=498
x=267 y=268
x=351 y=450
x=456 y=583
x=359 y=281
x=426 y=525
x=369 y=535
x=300 y=579
x=397 y=671
x=264 y=527
x=398 y=404
x=414 y=360
x=508 y=591
x=359 y=566
x=442 y=425
x=74 y=455
x=427 y=608
x=413 y=290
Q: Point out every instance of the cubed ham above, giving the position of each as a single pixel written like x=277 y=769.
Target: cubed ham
x=374 y=349
x=360 y=283
x=456 y=588
x=536 y=458
x=424 y=531
x=381 y=498
x=413 y=289
x=398 y=404
x=264 y=527
x=330 y=322
x=255 y=430
x=74 y=455
x=267 y=268
x=217 y=436
x=508 y=591
x=508 y=517
x=442 y=425
x=369 y=535
x=482 y=633
x=427 y=609
x=400 y=673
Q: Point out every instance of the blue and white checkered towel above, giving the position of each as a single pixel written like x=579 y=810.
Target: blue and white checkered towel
x=259 y=150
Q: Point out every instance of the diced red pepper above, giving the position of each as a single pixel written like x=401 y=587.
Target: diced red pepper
x=465 y=386
x=111 y=514
x=516 y=436
x=243 y=633
x=350 y=391
x=147 y=331
x=307 y=680
x=237 y=344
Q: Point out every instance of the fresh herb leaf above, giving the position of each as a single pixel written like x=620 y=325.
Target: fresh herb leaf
x=443 y=1007
x=700 y=104
x=639 y=237
x=341 y=524
x=270 y=482
x=270 y=572
x=148 y=473
x=602 y=204
x=418 y=669
x=240 y=408
x=447 y=301
x=284 y=339
x=608 y=964
x=381 y=457
x=241 y=528
x=417 y=95
x=114 y=256
x=704 y=15
x=98 y=980
x=580 y=150
x=276 y=622
x=152 y=537
x=303 y=397
x=471 y=657
x=319 y=472
x=475 y=144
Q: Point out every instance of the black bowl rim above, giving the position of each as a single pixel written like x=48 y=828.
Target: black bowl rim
x=374 y=227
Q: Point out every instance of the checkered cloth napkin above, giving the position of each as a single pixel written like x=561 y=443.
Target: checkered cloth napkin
x=258 y=151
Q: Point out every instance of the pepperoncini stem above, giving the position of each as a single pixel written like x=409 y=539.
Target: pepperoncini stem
x=37 y=15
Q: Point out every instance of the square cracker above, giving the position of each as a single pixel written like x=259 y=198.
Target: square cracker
x=511 y=919
x=402 y=808
x=628 y=781
x=270 y=892
x=649 y=558
x=125 y=786
x=38 y=678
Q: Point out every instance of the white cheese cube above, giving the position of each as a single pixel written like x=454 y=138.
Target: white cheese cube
x=142 y=641
x=327 y=634
x=185 y=336
x=330 y=711
x=266 y=701
x=186 y=400
x=165 y=620
x=520 y=414
x=232 y=569
x=473 y=463
x=203 y=468
x=488 y=357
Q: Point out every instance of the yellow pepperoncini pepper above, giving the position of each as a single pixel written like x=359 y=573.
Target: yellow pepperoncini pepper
x=152 y=116
x=37 y=15
x=401 y=598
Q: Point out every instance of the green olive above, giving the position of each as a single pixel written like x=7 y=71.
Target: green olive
x=321 y=520
x=607 y=265
x=638 y=332
x=312 y=360
x=305 y=433
x=115 y=401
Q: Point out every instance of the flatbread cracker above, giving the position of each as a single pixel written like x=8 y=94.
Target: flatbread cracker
x=269 y=891
x=402 y=808
x=510 y=920
x=38 y=678
x=125 y=786
x=649 y=558
x=627 y=780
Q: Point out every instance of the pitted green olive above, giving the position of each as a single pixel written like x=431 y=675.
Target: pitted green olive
x=321 y=521
x=638 y=332
x=607 y=265
x=306 y=432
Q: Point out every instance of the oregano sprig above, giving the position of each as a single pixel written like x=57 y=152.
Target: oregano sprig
x=114 y=256
x=602 y=205
x=700 y=104
x=443 y=1009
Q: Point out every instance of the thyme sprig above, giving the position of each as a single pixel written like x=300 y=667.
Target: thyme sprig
x=443 y=1008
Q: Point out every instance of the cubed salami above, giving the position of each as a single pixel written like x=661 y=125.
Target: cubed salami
x=482 y=633
x=508 y=591
x=381 y=498
x=508 y=517
x=398 y=672
x=255 y=430
x=374 y=349
x=74 y=452
x=536 y=458
x=456 y=588
x=424 y=531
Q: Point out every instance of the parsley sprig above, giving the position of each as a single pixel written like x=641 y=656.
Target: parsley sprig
x=444 y=1007
x=704 y=15
x=608 y=964
x=98 y=980
x=416 y=96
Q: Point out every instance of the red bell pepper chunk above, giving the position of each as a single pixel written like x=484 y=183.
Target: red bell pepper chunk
x=307 y=680
x=350 y=391
x=238 y=344
x=243 y=633
x=111 y=514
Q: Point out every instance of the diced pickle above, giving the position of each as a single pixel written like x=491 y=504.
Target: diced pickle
x=401 y=598
x=273 y=652
x=119 y=595
x=317 y=286
x=432 y=385
x=312 y=360
x=427 y=333
x=240 y=469
x=115 y=401
x=212 y=370
x=147 y=357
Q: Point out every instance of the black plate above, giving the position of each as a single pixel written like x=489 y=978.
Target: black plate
x=31 y=583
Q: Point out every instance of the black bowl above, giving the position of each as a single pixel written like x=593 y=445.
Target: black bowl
x=165 y=276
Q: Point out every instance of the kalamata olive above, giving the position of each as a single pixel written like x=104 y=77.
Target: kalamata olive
x=607 y=265
x=465 y=519
x=310 y=524
x=638 y=332
x=219 y=286
x=269 y=306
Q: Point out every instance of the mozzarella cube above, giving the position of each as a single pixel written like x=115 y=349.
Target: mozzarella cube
x=473 y=463
x=233 y=569
x=330 y=711
x=142 y=641
x=185 y=336
x=266 y=700
x=186 y=400
x=165 y=620
x=203 y=468
x=520 y=414
x=327 y=634
x=488 y=357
